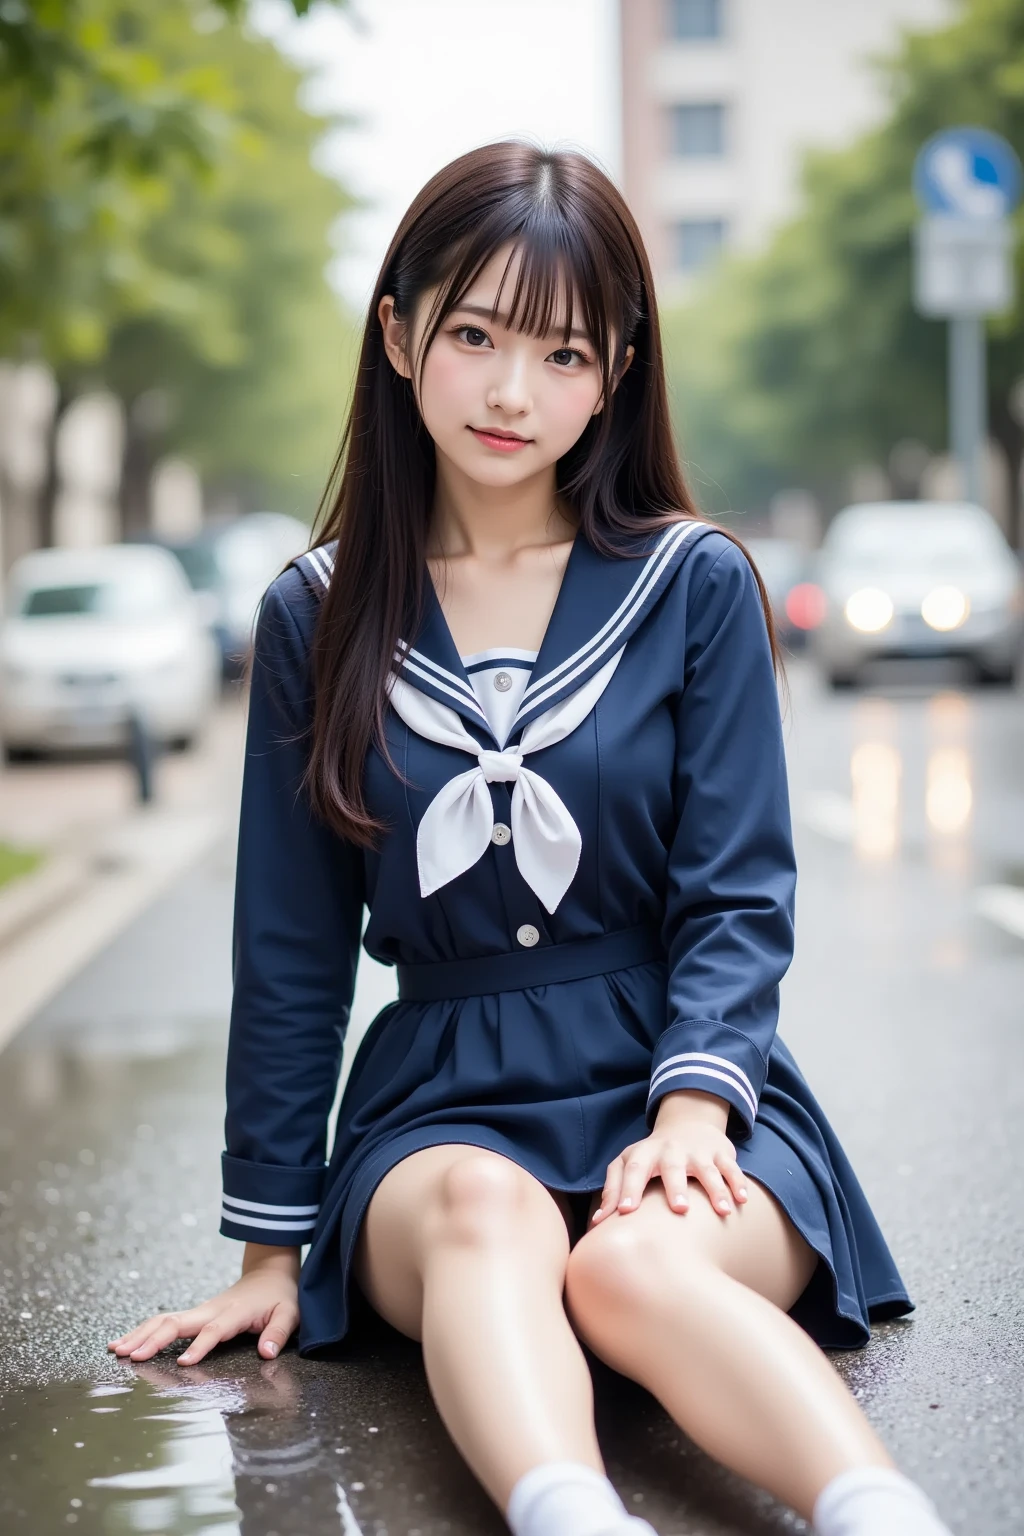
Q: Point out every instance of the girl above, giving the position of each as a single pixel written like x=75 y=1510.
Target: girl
x=520 y=702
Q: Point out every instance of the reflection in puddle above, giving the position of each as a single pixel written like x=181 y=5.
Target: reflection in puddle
x=875 y=772
x=949 y=788
x=948 y=794
x=170 y=1456
x=886 y=787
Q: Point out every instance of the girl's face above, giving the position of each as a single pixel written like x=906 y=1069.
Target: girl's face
x=502 y=406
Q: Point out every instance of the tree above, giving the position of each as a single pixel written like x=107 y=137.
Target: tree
x=256 y=355
x=164 y=233
x=798 y=363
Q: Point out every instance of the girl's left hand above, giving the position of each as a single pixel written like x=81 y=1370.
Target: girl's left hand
x=674 y=1153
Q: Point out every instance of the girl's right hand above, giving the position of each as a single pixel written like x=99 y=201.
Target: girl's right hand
x=265 y=1300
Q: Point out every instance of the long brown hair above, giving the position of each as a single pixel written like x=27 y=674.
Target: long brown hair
x=580 y=248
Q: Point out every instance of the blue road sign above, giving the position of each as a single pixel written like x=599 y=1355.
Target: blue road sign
x=967 y=173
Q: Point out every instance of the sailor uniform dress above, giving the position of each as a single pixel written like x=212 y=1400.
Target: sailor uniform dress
x=587 y=890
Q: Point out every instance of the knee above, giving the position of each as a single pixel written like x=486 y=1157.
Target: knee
x=623 y=1269
x=608 y=1269
x=480 y=1198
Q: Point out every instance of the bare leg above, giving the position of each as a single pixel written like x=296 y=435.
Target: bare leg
x=465 y=1250
x=694 y=1307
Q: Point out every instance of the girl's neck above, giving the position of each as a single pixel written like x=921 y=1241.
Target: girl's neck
x=490 y=522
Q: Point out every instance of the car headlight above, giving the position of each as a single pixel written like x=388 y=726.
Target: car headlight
x=945 y=608
x=869 y=610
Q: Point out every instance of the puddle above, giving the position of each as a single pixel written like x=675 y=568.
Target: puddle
x=300 y=1448
x=170 y=1457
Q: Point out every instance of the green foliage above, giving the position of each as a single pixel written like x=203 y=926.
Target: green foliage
x=15 y=862
x=93 y=120
x=163 y=230
x=796 y=364
x=257 y=355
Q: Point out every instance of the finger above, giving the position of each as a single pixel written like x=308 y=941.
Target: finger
x=135 y=1336
x=715 y=1185
x=673 y=1178
x=635 y=1175
x=610 y=1193
x=735 y=1178
x=167 y=1330
x=129 y=1341
x=225 y=1326
x=283 y=1322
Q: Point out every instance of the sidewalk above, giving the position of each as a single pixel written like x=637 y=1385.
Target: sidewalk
x=106 y=856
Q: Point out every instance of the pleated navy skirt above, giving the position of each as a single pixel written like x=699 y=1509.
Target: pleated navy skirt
x=480 y=1070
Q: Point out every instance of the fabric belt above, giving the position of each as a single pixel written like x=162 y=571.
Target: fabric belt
x=603 y=952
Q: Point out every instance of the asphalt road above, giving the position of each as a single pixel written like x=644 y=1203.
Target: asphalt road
x=905 y=1007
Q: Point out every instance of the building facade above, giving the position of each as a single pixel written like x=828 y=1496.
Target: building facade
x=721 y=98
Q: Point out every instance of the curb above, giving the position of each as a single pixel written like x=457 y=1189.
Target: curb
x=54 y=935
x=29 y=898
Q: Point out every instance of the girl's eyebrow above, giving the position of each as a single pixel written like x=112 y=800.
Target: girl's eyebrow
x=488 y=314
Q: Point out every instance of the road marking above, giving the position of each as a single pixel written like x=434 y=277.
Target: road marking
x=349 y=1524
x=1002 y=904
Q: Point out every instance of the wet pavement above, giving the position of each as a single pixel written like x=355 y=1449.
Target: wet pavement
x=905 y=1008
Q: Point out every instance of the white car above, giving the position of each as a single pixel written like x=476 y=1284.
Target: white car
x=231 y=566
x=918 y=579
x=91 y=638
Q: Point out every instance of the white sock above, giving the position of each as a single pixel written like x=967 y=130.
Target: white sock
x=568 y=1498
x=875 y=1501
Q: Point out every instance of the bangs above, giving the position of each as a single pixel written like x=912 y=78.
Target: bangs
x=558 y=286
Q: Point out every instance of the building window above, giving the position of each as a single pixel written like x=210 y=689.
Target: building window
x=692 y=20
x=698 y=130
x=698 y=241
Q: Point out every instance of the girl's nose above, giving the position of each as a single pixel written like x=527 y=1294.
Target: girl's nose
x=510 y=392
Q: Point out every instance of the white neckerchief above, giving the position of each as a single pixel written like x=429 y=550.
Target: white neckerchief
x=457 y=824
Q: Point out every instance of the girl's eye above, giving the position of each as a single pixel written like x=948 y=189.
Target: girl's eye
x=565 y=356
x=472 y=335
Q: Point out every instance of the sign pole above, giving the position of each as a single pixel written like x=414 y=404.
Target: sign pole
x=968 y=403
x=968 y=181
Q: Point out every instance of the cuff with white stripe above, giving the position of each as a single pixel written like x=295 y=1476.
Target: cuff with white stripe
x=264 y=1203
x=710 y=1056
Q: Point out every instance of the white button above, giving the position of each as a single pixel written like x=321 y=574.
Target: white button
x=527 y=935
x=502 y=681
x=501 y=834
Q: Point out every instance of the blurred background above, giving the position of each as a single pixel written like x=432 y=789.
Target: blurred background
x=194 y=200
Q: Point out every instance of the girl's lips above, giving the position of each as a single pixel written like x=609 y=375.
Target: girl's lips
x=503 y=444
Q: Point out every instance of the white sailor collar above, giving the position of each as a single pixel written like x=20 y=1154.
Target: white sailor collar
x=601 y=603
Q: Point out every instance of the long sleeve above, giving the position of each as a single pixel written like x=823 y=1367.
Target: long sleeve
x=297 y=922
x=729 y=908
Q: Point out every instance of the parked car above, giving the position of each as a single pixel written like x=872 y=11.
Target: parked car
x=797 y=602
x=231 y=565
x=919 y=579
x=94 y=637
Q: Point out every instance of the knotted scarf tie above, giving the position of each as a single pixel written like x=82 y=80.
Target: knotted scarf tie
x=456 y=826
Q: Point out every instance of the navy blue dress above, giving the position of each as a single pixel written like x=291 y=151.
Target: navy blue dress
x=585 y=917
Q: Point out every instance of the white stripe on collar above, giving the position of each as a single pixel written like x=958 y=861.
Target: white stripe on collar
x=468 y=700
x=451 y=678
x=322 y=564
x=606 y=636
